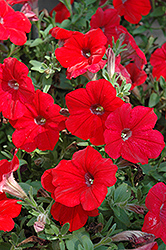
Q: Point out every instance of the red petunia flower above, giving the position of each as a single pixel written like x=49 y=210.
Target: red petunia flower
x=82 y=52
x=89 y=109
x=137 y=76
x=132 y=10
x=13 y=25
x=62 y=12
x=76 y=215
x=155 y=219
x=7 y=181
x=40 y=125
x=16 y=88
x=84 y=179
x=158 y=61
x=132 y=52
x=9 y=208
x=107 y=21
x=130 y=134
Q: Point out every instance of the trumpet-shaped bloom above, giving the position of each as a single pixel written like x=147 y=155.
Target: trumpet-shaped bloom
x=40 y=125
x=107 y=21
x=82 y=180
x=132 y=10
x=76 y=215
x=13 y=24
x=16 y=88
x=82 y=52
x=158 y=61
x=9 y=208
x=7 y=181
x=129 y=133
x=89 y=109
x=155 y=219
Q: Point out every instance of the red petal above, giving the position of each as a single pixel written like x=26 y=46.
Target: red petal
x=76 y=216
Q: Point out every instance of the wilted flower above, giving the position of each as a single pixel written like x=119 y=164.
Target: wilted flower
x=7 y=181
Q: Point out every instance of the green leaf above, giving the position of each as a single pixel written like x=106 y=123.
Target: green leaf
x=139 y=30
x=55 y=229
x=76 y=239
x=87 y=243
x=156 y=176
x=159 y=11
x=36 y=42
x=7 y=154
x=49 y=231
x=100 y=219
x=127 y=87
x=37 y=66
x=162 y=82
x=154 y=99
x=122 y=216
x=31 y=222
x=112 y=247
x=14 y=237
x=22 y=162
x=122 y=193
x=46 y=88
x=88 y=2
x=62 y=245
x=5 y=246
x=108 y=224
x=25 y=187
x=65 y=228
x=101 y=248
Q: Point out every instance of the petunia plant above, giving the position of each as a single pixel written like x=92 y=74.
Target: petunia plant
x=83 y=125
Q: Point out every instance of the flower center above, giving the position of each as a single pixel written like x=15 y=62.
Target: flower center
x=97 y=109
x=1 y=20
x=89 y=179
x=102 y=28
x=86 y=53
x=40 y=120
x=126 y=133
x=13 y=84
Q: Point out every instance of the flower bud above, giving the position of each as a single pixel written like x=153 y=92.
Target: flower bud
x=111 y=62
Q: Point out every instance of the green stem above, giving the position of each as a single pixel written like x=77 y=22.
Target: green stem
x=18 y=170
x=153 y=4
x=68 y=5
x=19 y=175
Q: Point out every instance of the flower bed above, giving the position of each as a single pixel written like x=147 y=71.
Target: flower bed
x=83 y=126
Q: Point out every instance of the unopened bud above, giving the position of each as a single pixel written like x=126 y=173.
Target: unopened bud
x=110 y=62
x=135 y=208
x=39 y=225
